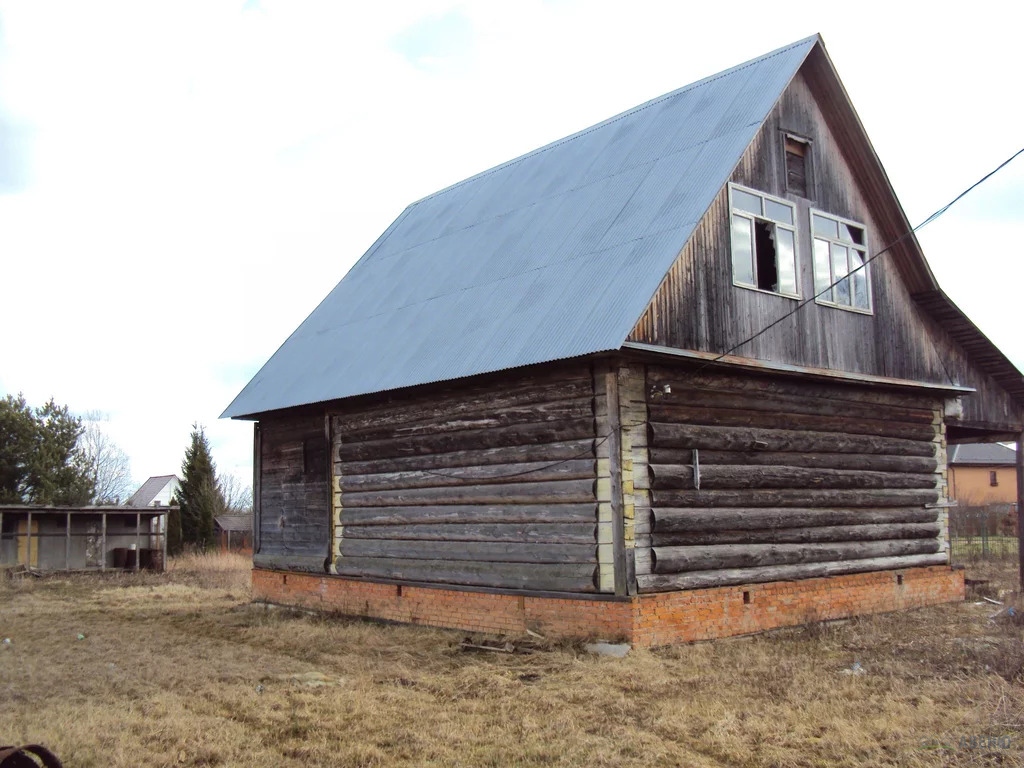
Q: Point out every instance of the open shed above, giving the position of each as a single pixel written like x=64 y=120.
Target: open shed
x=648 y=381
x=97 y=538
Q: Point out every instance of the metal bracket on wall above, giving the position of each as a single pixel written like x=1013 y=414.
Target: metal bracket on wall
x=696 y=469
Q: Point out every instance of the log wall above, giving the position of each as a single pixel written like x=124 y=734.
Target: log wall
x=293 y=499
x=756 y=479
x=490 y=485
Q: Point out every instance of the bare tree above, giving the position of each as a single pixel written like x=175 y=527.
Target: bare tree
x=237 y=495
x=109 y=466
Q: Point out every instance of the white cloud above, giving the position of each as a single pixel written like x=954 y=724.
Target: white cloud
x=202 y=173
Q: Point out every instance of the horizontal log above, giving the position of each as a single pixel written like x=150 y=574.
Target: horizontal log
x=715 y=476
x=461 y=400
x=506 y=454
x=864 y=461
x=760 y=400
x=799 y=441
x=706 y=579
x=555 y=578
x=469 y=513
x=658 y=376
x=451 y=420
x=716 y=557
x=732 y=417
x=568 y=533
x=532 y=471
x=475 y=551
x=520 y=434
x=772 y=497
x=869 y=532
x=744 y=518
x=554 y=492
x=295 y=562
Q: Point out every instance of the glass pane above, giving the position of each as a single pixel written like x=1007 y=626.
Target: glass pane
x=744 y=201
x=860 y=280
x=822 y=269
x=787 y=260
x=851 y=234
x=826 y=227
x=840 y=269
x=778 y=212
x=742 y=251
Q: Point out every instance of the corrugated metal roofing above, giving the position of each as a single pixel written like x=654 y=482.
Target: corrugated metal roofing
x=552 y=255
x=982 y=454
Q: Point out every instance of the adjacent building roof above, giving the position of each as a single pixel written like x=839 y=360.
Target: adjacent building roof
x=234 y=522
x=149 y=490
x=986 y=454
x=552 y=255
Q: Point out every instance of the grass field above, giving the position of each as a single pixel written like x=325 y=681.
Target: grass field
x=178 y=669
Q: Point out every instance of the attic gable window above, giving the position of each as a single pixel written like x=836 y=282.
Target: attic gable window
x=798 y=160
x=763 y=242
x=840 y=248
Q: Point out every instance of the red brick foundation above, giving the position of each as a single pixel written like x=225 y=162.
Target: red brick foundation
x=644 y=620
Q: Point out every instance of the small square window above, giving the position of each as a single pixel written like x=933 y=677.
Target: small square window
x=763 y=242
x=841 y=272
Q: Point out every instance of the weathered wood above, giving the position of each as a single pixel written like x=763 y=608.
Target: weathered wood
x=859 y=461
x=799 y=441
x=505 y=454
x=554 y=492
x=1020 y=508
x=760 y=400
x=476 y=551
x=257 y=477
x=743 y=519
x=681 y=476
x=440 y=421
x=611 y=379
x=466 y=401
x=868 y=532
x=524 y=434
x=544 y=533
x=721 y=556
x=706 y=579
x=527 y=472
x=772 y=497
x=731 y=417
x=289 y=562
x=555 y=578
x=471 y=513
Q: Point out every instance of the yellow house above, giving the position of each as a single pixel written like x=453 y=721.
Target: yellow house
x=982 y=473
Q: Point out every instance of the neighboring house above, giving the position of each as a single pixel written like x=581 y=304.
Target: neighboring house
x=566 y=394
x=982 y=474
x=158 y=491
x=233 y=532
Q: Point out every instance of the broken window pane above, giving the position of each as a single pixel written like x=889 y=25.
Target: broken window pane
x=742 y=251
x=744 y=201
x=764 y=256
x=851 y=234
x=787 y=260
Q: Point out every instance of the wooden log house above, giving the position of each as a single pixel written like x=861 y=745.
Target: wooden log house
x=570 y=393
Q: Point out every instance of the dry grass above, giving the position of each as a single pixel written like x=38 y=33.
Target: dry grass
x=178 y=669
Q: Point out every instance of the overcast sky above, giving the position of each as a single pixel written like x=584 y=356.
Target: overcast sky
x=182 y=182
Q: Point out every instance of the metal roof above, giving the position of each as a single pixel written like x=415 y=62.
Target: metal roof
x=985 y=454
x=149 y=490
x=552 y=255
x=234 y=522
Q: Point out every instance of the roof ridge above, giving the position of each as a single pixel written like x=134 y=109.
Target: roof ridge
x=615 y=118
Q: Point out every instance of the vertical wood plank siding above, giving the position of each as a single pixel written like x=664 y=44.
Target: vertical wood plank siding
x=491 y=485
x=795 y=478
x=697 y=307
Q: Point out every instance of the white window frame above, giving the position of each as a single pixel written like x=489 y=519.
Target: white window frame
x=862 y=247
x=753 y=217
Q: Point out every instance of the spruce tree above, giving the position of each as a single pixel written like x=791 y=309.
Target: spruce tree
x=198 y=496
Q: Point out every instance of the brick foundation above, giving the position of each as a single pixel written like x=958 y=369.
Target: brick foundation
x=644 y=620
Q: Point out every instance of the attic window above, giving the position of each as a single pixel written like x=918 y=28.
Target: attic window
x=798 y=155
x=841 y=276
x=763 y=242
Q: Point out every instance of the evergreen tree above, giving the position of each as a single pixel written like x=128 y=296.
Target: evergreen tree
x=198 y=496
x=174 y=542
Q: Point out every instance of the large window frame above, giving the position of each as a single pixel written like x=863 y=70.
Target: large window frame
x=830 y=244
x=745 y=275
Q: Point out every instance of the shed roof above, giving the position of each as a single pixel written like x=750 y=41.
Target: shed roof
x=985 y=454
x=552 y=255
x=234 y=522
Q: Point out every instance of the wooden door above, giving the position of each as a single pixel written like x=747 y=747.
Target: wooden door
x=23 y=542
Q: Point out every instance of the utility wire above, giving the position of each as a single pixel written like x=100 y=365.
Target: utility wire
x=591 y=451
